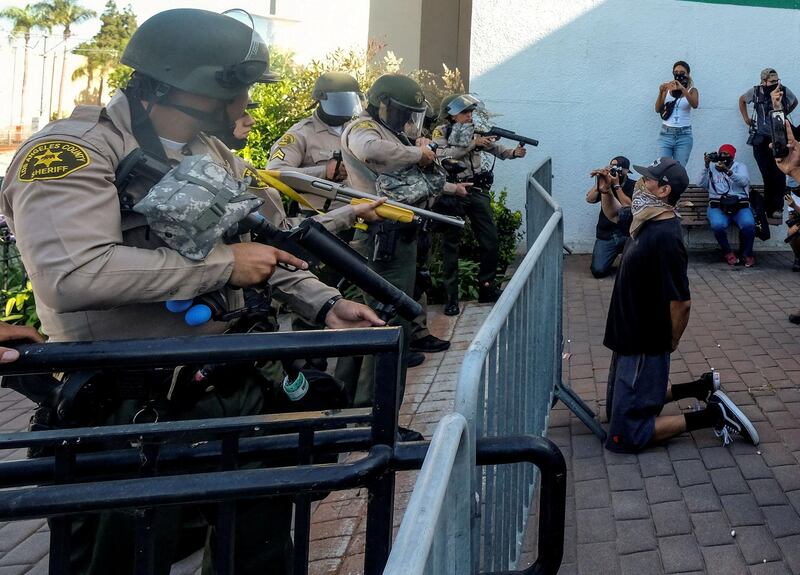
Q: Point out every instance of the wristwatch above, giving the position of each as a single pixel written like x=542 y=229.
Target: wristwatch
x=616 y=187
x=326 y=307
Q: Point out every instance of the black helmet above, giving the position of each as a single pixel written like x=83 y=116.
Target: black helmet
x=199 y=52
x=339 y=97
x=399 y=103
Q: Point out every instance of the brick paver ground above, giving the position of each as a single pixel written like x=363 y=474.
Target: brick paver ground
x=692 y=505
x=671 y=509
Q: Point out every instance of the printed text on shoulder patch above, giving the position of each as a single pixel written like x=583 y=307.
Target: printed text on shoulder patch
x=52 y=160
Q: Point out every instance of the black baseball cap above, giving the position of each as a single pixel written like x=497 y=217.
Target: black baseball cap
x=622 y=162
x=665 y=171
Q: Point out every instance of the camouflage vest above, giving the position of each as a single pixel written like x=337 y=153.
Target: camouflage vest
x=194 y=205
x=410 y=185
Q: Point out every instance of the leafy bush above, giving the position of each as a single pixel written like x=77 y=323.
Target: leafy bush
x=18 y=304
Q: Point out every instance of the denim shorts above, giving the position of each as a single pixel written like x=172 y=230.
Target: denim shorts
x=637 y=388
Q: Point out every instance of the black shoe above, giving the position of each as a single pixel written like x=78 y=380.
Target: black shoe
x=731 y=420
x=406 y=434
x=712 y=380
x=794 y=318
x=796 y=265
x=430 y=344
x=452 y=309
x=414 y=358
x=489 y=293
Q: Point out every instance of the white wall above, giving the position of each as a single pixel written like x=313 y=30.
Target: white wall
x=582 y=77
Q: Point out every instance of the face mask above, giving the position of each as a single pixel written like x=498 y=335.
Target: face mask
x=645 y=206
x=461 y=135
x=769 y=89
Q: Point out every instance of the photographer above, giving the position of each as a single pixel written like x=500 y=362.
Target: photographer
x=727 y=182
x=761 y=135
x=458 y=141
x=610 y=237
x=674 y=104
x=790 y=165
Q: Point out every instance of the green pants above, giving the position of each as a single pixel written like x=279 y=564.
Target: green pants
x=419 y=326
x=477 y=207
x=357 y=373
x=104 y=543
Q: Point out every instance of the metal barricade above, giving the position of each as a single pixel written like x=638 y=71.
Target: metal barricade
x=505 y=388
x=506 y=382
x=145 y=466
x=435 y=535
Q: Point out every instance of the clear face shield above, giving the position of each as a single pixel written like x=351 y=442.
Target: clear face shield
x=462 y=103
x=342 y=104
x=402 y=118
x=254 y=68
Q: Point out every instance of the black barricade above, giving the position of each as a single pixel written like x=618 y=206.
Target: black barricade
x=198 y=461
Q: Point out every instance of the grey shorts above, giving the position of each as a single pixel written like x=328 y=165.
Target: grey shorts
x=637 y=388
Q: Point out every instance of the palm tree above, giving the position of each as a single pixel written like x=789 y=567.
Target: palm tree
x=65 y=13
x=23 y=21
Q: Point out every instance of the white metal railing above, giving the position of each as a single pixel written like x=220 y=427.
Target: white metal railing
x=505 y=387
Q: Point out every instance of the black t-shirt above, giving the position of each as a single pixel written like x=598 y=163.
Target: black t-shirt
x=605 y=227
x=651 y=275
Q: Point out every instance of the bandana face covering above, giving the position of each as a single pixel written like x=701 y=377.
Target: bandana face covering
x=461 y=135
x=644 y=207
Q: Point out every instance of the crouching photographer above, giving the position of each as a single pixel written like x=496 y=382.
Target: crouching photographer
x=727 y=182
x=610 y=237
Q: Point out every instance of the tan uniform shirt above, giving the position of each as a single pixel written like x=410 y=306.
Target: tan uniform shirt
x=306 y=147
x=470 y=154
x=378 y=147
x=98 y=273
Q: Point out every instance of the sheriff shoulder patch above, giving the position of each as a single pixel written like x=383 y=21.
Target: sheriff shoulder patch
x=52 y=160
x=438 y=133
x=287 y=140
x=255 y=181
x=278 y=154
x=365 y=125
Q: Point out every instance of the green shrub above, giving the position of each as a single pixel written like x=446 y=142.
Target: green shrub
x=18 y=305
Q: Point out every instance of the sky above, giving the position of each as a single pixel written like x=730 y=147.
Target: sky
x=143 y=10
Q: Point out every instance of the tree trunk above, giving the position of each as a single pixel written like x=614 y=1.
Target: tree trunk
x=24 y=81
x=63 y=76
x=100 y=89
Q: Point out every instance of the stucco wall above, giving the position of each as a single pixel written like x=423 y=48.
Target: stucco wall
x=582 y=77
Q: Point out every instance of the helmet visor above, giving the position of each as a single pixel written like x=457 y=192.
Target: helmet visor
x=254 y=68
x=402 y=118
x=344 y=104
x=462 y=103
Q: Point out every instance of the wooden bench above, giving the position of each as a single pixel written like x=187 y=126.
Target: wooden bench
x=693 y=206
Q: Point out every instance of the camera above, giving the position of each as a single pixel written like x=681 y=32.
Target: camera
x=715 y=157
x=777 y=128
x=615 y=171
x=682 y=79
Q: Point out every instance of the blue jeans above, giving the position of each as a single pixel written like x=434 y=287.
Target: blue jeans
x=675 y=143
x=604 y=253
x=743 y=219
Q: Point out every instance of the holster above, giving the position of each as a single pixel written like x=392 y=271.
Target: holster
x=386 y=234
